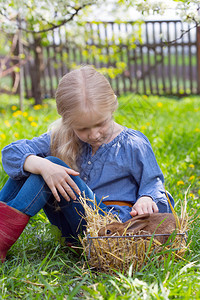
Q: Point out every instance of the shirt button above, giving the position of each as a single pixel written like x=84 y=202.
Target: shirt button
x=103 y=145
x=85 y=178
x=89 y=162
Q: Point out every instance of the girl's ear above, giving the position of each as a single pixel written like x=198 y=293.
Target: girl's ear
x=136 y=226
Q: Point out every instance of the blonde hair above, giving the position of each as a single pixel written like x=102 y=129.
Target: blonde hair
x=83 y=89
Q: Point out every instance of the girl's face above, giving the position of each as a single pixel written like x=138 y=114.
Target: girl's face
x=94 y=129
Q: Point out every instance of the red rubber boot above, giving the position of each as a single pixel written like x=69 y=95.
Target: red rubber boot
x=12 y=223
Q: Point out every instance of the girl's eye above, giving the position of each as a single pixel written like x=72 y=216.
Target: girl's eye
x=98 y=125
x=101 y=124
x=81 y=129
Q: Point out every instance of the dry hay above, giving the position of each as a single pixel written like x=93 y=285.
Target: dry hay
x=119 y=252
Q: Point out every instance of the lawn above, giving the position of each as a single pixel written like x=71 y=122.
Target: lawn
x=39 y=266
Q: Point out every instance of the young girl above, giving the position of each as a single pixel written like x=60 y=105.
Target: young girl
x=86 y=152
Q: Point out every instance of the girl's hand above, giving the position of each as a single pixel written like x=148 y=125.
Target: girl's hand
x=58 y=180
x=144 y=205
x=56 y=177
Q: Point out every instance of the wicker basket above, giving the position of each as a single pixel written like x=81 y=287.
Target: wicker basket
x=106 y=254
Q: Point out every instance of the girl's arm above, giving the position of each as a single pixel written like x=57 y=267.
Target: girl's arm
x=15 y=154
x=56 y=177
x=148 y=176
x=23 y=157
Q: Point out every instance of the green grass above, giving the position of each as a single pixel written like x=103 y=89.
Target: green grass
x=40 y=267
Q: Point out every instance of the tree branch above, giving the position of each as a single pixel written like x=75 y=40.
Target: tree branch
x=54 y=26
x=182 y=34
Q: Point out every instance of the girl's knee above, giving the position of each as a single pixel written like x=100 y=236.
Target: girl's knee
x=57 y=161
x=163 y=207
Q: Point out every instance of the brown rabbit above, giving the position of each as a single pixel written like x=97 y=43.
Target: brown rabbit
x=158 y=223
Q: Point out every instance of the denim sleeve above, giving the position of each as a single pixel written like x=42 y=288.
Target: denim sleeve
x=15 y=154
x=146 y=171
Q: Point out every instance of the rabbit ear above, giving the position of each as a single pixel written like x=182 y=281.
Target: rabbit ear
x=136 y=226
x=140 y=217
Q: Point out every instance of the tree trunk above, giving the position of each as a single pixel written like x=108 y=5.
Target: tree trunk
x=198 y=55
x=37 y=70
x=21 y=71
x=15 y=62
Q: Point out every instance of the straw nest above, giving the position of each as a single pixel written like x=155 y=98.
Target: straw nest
x=120 y=252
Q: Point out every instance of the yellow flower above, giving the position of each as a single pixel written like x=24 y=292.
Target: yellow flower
x=16 y=134
x=159 y=104
x=145 y=97
x=25 y=114
x=15 y=114
x=34 y=124
x=148 y=123
x=191 y=166
x=143 y=128
x=37 y=107
x=197 y=130
x=7 y=123
x=180 y=182
x=191 y=177
x=14 y=107
x=30 y=119
x=3 y=136
x=19 y=112
x=192 y=195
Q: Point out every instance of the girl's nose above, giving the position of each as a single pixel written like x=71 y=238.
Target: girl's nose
x=94 y=134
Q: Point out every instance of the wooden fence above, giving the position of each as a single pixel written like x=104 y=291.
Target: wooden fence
x=154 y=57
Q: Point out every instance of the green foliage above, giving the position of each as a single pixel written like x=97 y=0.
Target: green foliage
x=40 y=267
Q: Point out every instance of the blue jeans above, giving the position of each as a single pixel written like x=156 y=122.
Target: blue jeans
x=31 y=194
